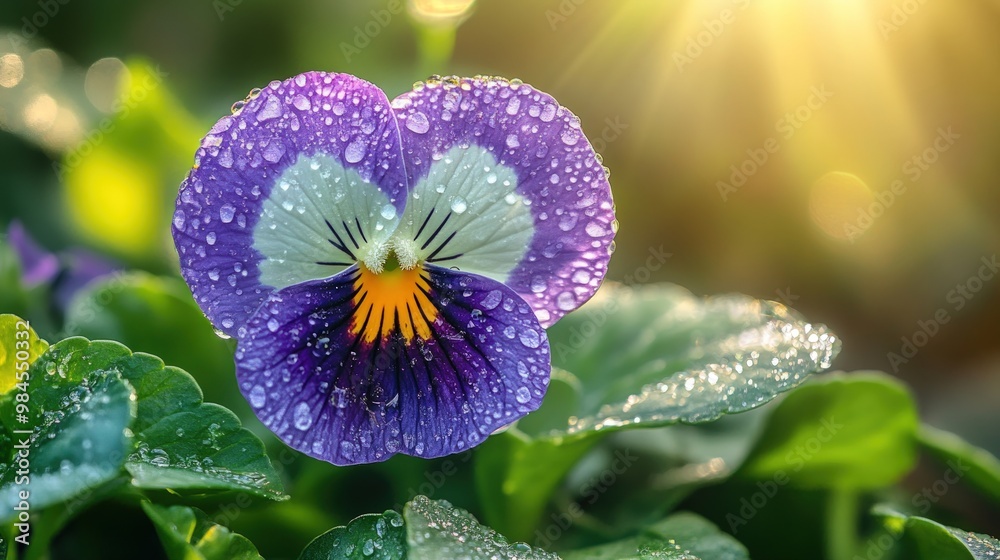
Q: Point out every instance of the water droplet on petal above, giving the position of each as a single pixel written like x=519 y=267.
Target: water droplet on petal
x=530 y=338
x=417 y=122
x=272 y=109
x=257 y=396
x=522 y=395
x=355 y=151
x=388 y=211
x=458 y=205
x=303 y=416
x=301 y=103
x=226 y=213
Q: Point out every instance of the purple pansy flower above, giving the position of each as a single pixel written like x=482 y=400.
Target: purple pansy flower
x=389 y=268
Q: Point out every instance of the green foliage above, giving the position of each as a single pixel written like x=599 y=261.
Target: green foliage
x=981 y=468
x=436 y=529
x=378 y=537
x=91 y=420
x=682 y=536
x=640 y=358
x=919 y=538
x=187 y=534
x=839 y=431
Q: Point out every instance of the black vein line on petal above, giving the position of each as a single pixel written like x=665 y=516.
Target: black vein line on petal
x=335 y=327
x=442 y=246
x=487 y=363
x=357 y=222
x=341 y=245
x=443 y=259
x=458 y=373
x=349 y=234
x=437 y=231
x=423 y=225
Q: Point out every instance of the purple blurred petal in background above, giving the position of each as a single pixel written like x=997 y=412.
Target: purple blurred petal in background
x=66 y=273
x=38 y=266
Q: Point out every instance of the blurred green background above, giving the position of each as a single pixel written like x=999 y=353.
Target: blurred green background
x=837 y=155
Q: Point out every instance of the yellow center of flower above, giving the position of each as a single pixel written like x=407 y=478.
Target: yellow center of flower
x=392 y=300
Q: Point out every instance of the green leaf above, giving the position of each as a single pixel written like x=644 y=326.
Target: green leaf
x=152 y=314
x=181 y=442
x=977 y=466
x=516 y=474
x=187 y=534
x=12 y=293
x=841 y=431
x=77 y=436
x=657 y=355
x=157 y=315
x=923 y=539
x=435 y=530
x=682 y=536
x=368 y=537
x=18 y=345
x=644 y=357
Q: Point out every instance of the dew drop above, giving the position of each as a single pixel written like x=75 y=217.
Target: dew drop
x=458 y=205
x=179 y=219
x=595 y=229
x=522 y=395
x=301 y=103
x=566 y=301
x=530 y=338
x=272 y=109
x=355 y=151
x=388 y=211
x=210 y=238
x=417 y=122
x=226 y=213
x=303 y=416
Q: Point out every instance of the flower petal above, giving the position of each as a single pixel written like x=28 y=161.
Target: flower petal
x=38 y=266
x=472 y=360
x=293 y=186
x=470 y=136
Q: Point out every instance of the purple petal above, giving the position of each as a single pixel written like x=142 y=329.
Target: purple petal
x=330 y=394
x=561 y=179
x=304 y=163
x=38 y=266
